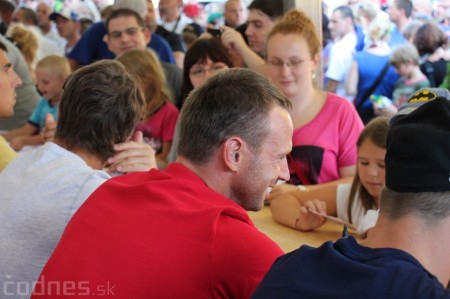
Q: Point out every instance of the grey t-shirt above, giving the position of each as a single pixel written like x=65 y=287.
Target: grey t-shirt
x=40 y=191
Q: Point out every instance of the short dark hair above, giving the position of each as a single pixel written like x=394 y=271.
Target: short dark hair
x=272 y=8
x=29 y=15
x=199 y=52
x=406 y=5
x=346 y=12
x=101 y=104
x=124 y=12
x=5 y=5
x=430 y=206
x=233 y=102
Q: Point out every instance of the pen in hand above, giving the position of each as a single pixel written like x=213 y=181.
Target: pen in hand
x=334 y=219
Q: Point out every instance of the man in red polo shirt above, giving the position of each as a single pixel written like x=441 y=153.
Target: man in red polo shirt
x=184 y=232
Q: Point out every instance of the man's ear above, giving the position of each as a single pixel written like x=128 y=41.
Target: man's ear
x=233 y=153
x=148 y=35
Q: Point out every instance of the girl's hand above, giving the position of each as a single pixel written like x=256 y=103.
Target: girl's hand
x=132 y=156
x=306 y=220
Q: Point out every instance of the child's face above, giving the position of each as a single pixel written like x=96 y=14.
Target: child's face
x=49 y=84
x=371 y=167
x=403 y=69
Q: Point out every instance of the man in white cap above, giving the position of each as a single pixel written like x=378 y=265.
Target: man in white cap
x=68 y=24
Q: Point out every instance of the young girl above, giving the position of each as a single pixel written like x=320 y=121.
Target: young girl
x=357 y=203
x=51 y=72
x=161 y=115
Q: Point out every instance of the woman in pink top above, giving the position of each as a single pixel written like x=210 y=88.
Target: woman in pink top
x=326 y=126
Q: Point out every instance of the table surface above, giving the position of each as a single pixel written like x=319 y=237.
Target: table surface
x=290 y=239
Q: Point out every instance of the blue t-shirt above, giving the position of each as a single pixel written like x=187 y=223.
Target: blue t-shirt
x=397 y=38
x=359 y=38
x=44 y=107
x=346 y=269
x=91 y=47
x=369 y=68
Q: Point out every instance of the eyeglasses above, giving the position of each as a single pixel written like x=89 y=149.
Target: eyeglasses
x=132 y=31
x=198 y=71
x=279 y=64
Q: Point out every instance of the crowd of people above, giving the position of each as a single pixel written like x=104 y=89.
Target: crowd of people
x=135 y=136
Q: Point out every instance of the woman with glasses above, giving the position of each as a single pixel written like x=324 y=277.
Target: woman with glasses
x=326 y=126
x=203 y=59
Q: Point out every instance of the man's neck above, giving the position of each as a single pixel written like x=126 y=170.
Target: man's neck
x=428 y=243
x=346 y=34
x=172 y=17
x=72 y=40
x=401 y=24
x=91 y=160
x=213 y=179
x=45 y=28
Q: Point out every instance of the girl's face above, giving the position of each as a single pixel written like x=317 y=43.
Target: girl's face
x=199 y=72
x=290 y=64
x=371 y=167
x=49 y=84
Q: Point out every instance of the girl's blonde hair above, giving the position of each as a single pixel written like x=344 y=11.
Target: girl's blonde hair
x=145 y=66
x=56 y=64
x=376 y=131
x=379 y=30
x=297 y=22
x=25 y=40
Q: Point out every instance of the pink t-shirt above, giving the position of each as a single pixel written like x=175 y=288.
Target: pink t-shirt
x=325 y=144
x=160 y=126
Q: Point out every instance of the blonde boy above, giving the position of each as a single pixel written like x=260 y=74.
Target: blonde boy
x=51 y=72
x=405 y=59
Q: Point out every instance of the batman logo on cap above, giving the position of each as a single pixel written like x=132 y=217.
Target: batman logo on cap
x=422 y=95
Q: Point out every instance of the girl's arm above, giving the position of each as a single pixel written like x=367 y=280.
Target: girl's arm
x=346 y=177
x=286 y=208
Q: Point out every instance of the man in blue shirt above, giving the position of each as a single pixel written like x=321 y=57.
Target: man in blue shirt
x=92 y=47
x=406 y=254
x=126 y=30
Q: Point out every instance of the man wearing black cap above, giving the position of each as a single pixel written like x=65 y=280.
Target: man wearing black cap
x=406 y=254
